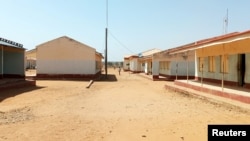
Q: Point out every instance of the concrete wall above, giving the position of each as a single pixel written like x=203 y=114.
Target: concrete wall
x=1 y=64
x=232 y=74
x=247 y=72
x=126 y=65
x=174 y=59
x=155 y=68
x=182 y=68
x=148 y=67
x=13 y=62
x=232 y=49
x=236 y=47
x=134 y=65
x=98 y=62
x=65 y=56
x=30 y=59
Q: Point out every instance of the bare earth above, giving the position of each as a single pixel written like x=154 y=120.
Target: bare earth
x=132 y=108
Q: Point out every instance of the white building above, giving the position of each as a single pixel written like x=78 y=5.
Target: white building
x=65 y=57
x=141 y=62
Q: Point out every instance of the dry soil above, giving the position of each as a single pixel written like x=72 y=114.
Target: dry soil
x=128 y=107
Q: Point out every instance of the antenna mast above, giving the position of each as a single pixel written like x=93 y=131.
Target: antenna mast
x=226 y=23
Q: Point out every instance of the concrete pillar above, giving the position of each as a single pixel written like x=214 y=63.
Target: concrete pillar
x=155 y=69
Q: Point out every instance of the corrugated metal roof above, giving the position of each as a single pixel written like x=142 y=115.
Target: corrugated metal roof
x=203 y=43
x=10 y=43
x=68 y=38
x=150 y=52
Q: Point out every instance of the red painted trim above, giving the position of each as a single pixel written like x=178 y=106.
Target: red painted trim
x=241 y=98
x=13 y=76
x=179 y=77
x=68 y=76
x=247 y=85
x=216 y=81
x=136 y=71
x=155 y=77
x=131 y=57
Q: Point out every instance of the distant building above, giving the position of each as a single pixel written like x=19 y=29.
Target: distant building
x=126 y=63
x=11 y=59
x=175 y=63
x=65 y=57
x=141 y=62
x=30 y=59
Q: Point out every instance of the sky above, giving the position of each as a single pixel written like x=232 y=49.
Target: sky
x=134 y=26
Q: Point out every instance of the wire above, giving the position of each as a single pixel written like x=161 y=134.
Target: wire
x=120 y=42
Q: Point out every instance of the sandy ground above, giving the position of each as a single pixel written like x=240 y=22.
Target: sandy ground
x=132 y=108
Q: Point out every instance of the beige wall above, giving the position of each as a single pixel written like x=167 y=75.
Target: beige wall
x=98 y=58
x=236 y=47
x=232 y=49
x=166 y=63
x=30 y=59
x=30 y=53
x=126 y=64
x=65 y=56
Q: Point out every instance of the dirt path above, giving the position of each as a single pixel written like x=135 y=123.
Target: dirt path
x=132 y=108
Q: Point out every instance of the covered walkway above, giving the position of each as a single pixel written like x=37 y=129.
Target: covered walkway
x=231 y=95
x=234 y=96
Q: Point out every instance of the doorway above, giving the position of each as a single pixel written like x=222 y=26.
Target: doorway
x=241 y=69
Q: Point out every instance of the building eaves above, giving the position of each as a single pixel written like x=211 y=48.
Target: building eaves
x=97 y=53
x=10 y=43
x=193 y=45
x=66 y=37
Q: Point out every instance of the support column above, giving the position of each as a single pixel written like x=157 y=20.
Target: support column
x=2 y=62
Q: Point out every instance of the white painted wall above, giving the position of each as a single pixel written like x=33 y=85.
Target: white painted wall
x=134 y=64
x=66 y=67
x=65 y=56
x=155 y=67
x=125 y=66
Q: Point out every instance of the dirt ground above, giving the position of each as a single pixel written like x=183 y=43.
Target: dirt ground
x=132 y=108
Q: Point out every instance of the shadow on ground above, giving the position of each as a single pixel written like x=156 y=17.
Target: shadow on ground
x=108 y=78
x=5 y=94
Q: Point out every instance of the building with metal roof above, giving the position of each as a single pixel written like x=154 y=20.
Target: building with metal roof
x=65 y=57
x=141 y=62
x=11 y=59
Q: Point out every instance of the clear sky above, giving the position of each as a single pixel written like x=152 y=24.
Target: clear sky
x=134 y=25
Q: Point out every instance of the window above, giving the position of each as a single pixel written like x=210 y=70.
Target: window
x=167 y=65
x=164 y=65
x=211 y=60
x=224 y=63
x=201 y=63
x=161 y=65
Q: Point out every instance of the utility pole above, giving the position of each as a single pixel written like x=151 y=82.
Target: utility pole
x=106 y=42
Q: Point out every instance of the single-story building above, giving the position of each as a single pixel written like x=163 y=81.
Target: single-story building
x=126 y=63
x=180 y=62
x=30 y=59
x=11 y=59
x=226 y=61
x=141 y=62
x=174 y=64
x=65 y=57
